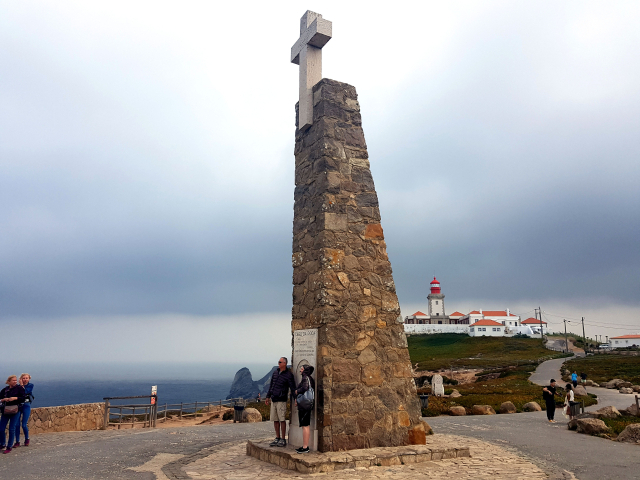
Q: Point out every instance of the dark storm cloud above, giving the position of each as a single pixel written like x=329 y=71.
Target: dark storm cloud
x=508 y=166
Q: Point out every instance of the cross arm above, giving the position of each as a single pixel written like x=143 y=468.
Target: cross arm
x=316 y=35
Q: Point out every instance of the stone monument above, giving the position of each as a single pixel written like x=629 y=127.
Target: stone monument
x=343 y=284
x=436 y=385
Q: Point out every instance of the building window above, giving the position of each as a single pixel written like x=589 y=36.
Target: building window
x=436 y=302
x=437 y=314
x=471 y=329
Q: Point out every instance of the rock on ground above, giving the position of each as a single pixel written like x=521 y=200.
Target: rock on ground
x=580 y=391
x=531 y=407
x=251 y=415
x=482 y=410
x=607 y=412
x=591 y=426
x=573 y=423
x=455 y=394
x=507 y=407
x=631 y=410
x=457 y=411
x=631 y=434
x=626 y=390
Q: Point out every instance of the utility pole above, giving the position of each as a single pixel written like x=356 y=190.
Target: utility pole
x=566 y=342
x=539 y=312
x=584 y=339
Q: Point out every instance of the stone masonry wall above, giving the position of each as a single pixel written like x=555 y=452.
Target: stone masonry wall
x=343 y=285
x=67 y=418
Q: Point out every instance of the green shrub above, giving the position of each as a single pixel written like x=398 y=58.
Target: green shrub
x=228 y=415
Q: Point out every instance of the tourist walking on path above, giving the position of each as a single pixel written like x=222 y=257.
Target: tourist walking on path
x=549 y=395
x=583 y=376
x=568 y=402
x=304 y=414
x=11 y=397
x=24 y=410
x=574 y=379
x=282 y=382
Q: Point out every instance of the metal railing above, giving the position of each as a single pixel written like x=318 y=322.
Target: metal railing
x=148 y=414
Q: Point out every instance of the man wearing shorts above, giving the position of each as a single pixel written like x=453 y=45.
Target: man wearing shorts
x=282 y=382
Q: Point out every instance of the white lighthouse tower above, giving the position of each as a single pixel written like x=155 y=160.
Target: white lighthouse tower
x=436 y=304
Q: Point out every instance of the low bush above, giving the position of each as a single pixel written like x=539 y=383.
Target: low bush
x=228 y=415
x=620 y=423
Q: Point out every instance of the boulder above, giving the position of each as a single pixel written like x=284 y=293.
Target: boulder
x=632 y=410
x=631 y=434
x=251 y=415
x=580 y=391
x=591 y=426
x=427 y=428
x=482 y=410
x=607 y=412
x=625 y=385
x=636 y=388
x=455 y=394
x=588 y=383
x=507 y=407
x=614 y=383
x=566 y=372
x=594 y=384
x=457 y=411
x=573 y=423
x=626 y=390
x=531 y=407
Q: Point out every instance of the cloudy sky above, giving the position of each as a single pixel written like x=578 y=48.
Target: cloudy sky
x=146 y=165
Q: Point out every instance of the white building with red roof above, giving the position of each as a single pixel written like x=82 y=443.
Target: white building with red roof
x=625 y=341
x=437 y=314
x=535 y=325
x=504 y=317
x=487 y=328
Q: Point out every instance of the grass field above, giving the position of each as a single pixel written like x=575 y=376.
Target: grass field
x=602 y=368
x=513 y=386
x=434 y=352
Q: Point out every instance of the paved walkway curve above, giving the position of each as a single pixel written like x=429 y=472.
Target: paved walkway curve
x=553 y=446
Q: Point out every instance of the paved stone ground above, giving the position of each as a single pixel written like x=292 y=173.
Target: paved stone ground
x=106 y=455
x=487 y=461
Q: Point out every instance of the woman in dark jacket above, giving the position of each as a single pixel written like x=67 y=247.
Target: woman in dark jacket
x=11 y=396
x=304 y=415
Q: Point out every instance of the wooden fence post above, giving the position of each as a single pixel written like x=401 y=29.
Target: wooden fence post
x=106 y=414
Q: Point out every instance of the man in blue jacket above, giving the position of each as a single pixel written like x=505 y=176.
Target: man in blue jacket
x=282 y=382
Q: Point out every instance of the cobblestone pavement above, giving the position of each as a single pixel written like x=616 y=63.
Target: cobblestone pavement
x=487 y=461
x=106 y=455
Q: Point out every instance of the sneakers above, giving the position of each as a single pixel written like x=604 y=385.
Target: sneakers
x=282 y=443
x=26 y=442
x=275 y=442
x=17 y=444
x=8 y=450
x=302 y=450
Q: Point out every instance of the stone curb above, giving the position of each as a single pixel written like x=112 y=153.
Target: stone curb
x=316 y=462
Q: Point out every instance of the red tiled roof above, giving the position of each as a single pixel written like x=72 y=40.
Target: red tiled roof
x=626 y=336
x=419 y=313
x=456 y=314
x=530 y=321
x=487 y=323
x=475 y=312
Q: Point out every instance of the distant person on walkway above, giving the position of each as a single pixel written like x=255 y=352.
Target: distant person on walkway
x=568 y=402
x=11 y=396
x=583 y=376
x=304 y=414
x=24 y=410
x=258 y=398
x=282 y=382
x=549 y=395
x=574 y=379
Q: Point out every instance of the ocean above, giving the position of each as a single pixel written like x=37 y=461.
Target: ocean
x=71 y=383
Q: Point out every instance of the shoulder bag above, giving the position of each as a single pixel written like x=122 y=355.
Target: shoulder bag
x=305 y=400
x=10 y=410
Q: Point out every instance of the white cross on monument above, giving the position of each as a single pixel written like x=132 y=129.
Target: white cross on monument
x=315 y=32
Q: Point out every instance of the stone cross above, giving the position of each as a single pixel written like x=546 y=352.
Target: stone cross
x=315 y=32
x=436 y=385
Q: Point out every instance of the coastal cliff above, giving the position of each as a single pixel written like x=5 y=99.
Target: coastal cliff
x=244 y=386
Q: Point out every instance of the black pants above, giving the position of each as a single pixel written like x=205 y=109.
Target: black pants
x=551 y=409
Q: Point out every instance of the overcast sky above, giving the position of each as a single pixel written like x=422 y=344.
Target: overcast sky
x=146 y=164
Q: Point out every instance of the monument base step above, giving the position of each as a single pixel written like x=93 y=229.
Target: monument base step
x=316 y=462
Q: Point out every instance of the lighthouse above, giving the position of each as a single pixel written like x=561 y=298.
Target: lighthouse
x=436 y=303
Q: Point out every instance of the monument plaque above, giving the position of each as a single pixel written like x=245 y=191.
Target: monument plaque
x=436 y=385
x=305 y=352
